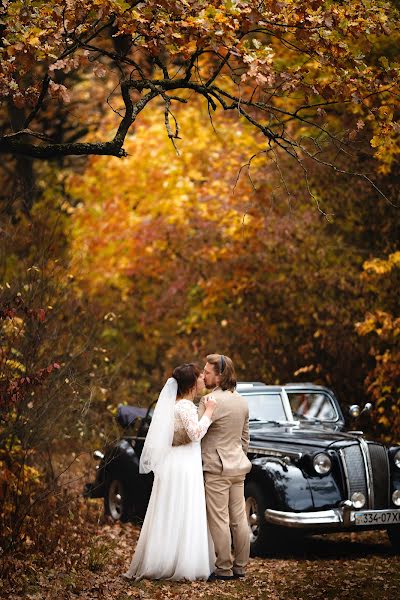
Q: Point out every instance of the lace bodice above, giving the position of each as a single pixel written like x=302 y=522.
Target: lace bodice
x=186 y=419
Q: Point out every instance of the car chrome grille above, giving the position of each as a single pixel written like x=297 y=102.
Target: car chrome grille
x=353 y=462
x=366 y=470
x=380 y=475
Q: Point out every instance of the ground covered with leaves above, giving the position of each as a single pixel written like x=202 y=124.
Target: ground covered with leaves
x=337 y=567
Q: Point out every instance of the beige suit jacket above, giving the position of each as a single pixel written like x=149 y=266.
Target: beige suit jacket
x=224 y=447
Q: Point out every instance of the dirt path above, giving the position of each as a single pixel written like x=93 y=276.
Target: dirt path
x=340 y=567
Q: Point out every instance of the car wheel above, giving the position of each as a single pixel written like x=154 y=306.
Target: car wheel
x=394 y=537
x=262 y=535
x=266 y=539
x=116 y=500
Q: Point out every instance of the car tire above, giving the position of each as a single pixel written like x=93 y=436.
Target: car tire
x=116 y=500
x=263 y=536
x=394 y=537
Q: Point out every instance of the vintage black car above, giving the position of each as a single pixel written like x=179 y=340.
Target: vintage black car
x=308 y=474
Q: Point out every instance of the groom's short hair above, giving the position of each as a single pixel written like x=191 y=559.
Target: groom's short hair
x=223 y=366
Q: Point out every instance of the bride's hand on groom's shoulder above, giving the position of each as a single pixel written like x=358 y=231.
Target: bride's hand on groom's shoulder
x=209 y=404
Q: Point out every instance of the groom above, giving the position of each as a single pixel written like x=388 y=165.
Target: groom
x=225 y=465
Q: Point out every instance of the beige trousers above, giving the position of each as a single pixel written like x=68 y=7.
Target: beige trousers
x=227 y=522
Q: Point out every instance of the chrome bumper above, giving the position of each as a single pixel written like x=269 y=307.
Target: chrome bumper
x=339 y=518
x=321 y=518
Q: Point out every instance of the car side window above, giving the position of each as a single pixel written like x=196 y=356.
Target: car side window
x=312 y=405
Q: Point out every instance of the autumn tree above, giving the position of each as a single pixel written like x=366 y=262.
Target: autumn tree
x=49 y=355
x=206 y=247
x=284 y=67
x=381 y=326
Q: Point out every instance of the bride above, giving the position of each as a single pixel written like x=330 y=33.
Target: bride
x=174 y=542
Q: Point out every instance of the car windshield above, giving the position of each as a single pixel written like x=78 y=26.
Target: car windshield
x=311 y=406
x=266 y=407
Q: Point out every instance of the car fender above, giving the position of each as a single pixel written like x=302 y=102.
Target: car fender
x=285 y=485
x=121 y=461
x=325 y=491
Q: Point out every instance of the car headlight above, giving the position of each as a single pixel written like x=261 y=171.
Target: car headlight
x=396 y=458
x=322 y=463
x=396 y=497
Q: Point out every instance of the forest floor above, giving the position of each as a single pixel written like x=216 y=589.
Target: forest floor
x=339 y=567
x=88 y=558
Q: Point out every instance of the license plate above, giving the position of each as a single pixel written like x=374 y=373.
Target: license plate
x=380 y=517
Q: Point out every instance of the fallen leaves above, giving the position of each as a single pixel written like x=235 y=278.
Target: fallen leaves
x=338 y=567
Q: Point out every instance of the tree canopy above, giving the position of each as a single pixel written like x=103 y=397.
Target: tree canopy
x=287 y=68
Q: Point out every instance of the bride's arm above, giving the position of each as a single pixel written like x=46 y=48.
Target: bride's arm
x=195 y=428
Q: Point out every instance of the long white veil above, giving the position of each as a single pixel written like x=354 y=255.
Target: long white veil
x=161 y=431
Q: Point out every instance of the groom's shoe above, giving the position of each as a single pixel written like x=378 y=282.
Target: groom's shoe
x=216 y=577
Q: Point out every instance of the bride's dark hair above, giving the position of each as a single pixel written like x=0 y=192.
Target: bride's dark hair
x=186 y=376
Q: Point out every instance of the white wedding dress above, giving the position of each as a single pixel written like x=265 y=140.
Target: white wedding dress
x=174 y=541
